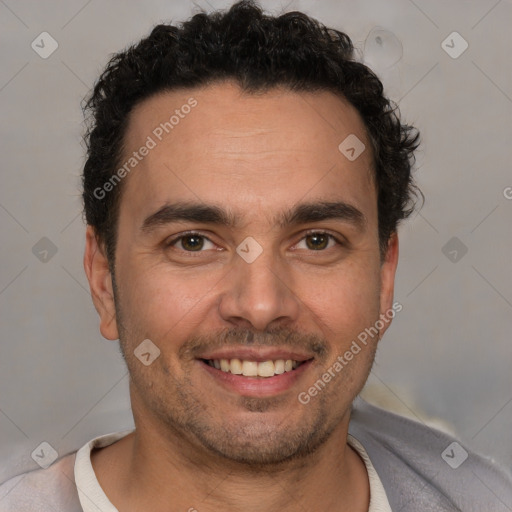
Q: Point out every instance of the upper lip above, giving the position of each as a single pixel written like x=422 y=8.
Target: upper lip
x=255 y=354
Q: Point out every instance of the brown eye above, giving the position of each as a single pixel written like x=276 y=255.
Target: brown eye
x=317 y=241
x=192 y=242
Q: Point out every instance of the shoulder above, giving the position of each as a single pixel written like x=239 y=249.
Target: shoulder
x=425 y=469
x=43 y=490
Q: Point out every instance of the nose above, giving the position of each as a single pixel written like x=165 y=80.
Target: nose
x=259 y=295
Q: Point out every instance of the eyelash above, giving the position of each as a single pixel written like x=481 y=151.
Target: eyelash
x=176 y=239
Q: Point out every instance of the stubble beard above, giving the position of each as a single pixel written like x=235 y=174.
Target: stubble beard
x=254 y=444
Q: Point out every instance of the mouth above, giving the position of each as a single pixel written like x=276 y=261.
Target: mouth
x=255 y=374
x=255 y=369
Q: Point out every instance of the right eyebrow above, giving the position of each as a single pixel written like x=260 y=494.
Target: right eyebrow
x=184 y=212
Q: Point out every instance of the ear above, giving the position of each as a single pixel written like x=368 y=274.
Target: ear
x=387 y=280
x=100 y=283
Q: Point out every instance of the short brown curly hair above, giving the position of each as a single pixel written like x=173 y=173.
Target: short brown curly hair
x=259 y=52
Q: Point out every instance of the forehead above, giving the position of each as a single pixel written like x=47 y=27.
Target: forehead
x=217 y=144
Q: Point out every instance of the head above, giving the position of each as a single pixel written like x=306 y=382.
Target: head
x=244 y=181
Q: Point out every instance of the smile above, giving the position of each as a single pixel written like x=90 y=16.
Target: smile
x=249 y=368
x=248 y=377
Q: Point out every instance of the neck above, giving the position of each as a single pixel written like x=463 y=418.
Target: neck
x=155 y=469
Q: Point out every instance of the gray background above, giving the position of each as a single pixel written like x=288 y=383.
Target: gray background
x=447 y=354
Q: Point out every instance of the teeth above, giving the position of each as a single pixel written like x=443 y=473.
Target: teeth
x=266 y=369
x=279 y=366
x=235 y=366
x=253 y=368
x=250 y=368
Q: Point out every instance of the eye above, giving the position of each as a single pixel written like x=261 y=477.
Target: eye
x=195 y=242
x=191 y=242
x=319 y=241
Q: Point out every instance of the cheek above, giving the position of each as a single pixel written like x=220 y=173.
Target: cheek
x=346 y=300
x=157 y=300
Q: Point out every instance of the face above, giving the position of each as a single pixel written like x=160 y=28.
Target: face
x=246 y=239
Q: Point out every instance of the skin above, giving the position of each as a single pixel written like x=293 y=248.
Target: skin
x=196 y=444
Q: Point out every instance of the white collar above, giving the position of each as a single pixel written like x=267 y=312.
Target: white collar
x=378 y=498
x=93 y=498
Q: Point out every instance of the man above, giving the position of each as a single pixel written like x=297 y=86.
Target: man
x=244 y=183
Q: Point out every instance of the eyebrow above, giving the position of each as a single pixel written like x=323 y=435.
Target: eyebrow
x=303 y=213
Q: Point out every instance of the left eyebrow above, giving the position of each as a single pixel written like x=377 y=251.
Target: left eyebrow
x=302 y=213
x=305 y=213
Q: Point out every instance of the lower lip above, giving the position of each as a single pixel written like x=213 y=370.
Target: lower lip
x=256 y=386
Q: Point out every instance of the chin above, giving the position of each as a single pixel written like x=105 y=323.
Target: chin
x=262 y=442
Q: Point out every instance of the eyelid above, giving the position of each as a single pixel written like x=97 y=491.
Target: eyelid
x=169 y=243
x=177 y=238
x=337 y=238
